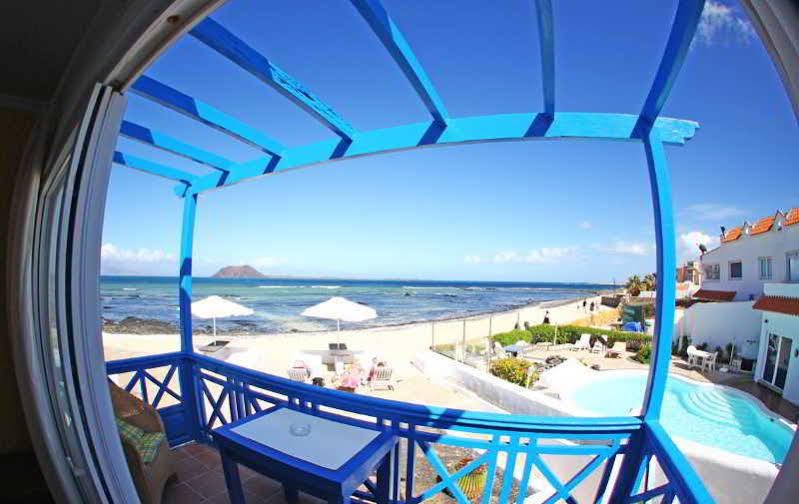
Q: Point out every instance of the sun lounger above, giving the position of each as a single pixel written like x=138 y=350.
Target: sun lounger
x=299 y=374
x=381 y=378
x=499 y=352
x=583 y=344
x=617 y=350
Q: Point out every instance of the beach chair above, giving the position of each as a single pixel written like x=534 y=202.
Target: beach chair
x=583 y=344
x=618 y=349
x=499 y=352
x=298 y=374
x=381 y=378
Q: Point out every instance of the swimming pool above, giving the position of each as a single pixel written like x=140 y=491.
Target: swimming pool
x=704 y=413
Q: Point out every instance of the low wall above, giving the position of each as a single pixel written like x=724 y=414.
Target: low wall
x=718 y=324
x=730 y=478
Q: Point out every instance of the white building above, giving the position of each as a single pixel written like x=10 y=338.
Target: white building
x=778 y=356
x=751 y=255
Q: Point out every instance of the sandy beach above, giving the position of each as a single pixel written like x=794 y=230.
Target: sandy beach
x=275 y=353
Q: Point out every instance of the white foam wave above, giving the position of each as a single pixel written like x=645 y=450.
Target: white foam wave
x=325 y=286
x=129 y=289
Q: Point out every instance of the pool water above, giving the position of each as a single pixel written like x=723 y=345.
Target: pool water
x=706 y=414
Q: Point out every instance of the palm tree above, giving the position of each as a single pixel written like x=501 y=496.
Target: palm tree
x=650 y=282
x=634 y=285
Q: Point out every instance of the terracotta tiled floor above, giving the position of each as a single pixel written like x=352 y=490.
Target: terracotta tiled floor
x=200 y=480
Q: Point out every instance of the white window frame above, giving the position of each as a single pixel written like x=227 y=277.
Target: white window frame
x=729 y=270
x=788 y=256
x=715 y=266
x=770 y=268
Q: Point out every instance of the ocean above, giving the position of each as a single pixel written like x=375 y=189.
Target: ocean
x=277 y=303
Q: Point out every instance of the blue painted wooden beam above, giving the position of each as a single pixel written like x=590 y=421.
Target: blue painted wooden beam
x=226 y=43
x=682 y=33
x=167 y=143
x=505 y=127
x=200 y=111
x=660 y=184
x=153 y=168
x=393 y=40
x=546 y=34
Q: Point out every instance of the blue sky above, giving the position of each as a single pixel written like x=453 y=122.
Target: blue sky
x=549 y=211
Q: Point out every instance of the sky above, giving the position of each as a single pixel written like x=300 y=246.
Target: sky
x=518 y=211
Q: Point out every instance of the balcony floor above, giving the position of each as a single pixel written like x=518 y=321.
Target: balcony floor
x=200 y=480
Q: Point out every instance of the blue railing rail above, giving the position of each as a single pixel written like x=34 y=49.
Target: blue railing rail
x=213 y=393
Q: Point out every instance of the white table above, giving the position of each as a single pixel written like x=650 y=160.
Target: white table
x=330 y=462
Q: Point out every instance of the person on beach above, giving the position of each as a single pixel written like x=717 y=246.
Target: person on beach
x=546 y=317
x=584 y=302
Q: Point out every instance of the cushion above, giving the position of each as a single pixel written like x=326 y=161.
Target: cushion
x=125 y=404
x=145 y=443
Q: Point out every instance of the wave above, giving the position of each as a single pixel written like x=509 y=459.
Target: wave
x=325 y=286
x=279 y=286
x=129 y=289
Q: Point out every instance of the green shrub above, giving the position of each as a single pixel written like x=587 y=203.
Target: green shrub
x=644 y=353
x=511 y=369
x=542 y=332
x=511 y=337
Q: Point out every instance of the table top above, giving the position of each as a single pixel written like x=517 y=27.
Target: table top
x=702 y=353
x=329 y=444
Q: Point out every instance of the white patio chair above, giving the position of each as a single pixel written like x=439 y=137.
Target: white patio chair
x=692 y=355
x=499 y=352
x=381 y=378
x=600 y=345
x=584 y=343
x=709 y=363
x=298 y=375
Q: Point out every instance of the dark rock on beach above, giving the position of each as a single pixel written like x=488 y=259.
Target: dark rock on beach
x=136 y=325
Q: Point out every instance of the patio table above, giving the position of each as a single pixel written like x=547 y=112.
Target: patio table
x=702 y=356
x=330 y=461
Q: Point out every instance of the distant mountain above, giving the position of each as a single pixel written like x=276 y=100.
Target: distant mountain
x=245 y=271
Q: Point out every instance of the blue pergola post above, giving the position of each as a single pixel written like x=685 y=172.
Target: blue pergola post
x=188 y=389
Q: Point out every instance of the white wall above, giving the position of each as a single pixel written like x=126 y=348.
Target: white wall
x=720 y=323
x=782 y=325
x=748 y=249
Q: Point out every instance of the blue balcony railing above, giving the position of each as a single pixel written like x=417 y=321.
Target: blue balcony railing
x=621 y=459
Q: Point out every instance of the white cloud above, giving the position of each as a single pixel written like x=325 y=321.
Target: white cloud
x=622 y=247
x=688 y=243
x=268 y=262
x=543 y=255
x=712 y=211
x=586 y=225
x=143 y=261
x=720 y=23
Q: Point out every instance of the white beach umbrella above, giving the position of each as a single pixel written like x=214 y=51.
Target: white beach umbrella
x=338 y=308
x=214 y=307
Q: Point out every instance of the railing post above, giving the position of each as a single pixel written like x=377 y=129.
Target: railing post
x=188 y=384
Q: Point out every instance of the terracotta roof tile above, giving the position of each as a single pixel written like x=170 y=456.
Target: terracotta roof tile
x=732 y=235
x=762 y=225
x=714 y=295
x=778 y=304
x=792 y=217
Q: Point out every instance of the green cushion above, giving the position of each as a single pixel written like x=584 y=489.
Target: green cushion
x=145 y=443
x=148 y=446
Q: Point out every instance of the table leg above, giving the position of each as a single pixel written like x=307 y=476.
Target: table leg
x=384 y=480
x=231 y=470
x=291 y=493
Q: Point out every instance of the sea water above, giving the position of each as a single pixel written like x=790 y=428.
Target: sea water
x=277 y=303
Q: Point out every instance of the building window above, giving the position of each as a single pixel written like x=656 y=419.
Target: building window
x=736 y=270
x=793 y=267
x=712 y=272
x=765 y=268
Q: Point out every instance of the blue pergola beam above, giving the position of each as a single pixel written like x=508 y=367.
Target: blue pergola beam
x=495 y=128
x=167 y=143
x=393 y=40
x=546 y=33
x=153 y=168
x=217 y=37
x=200 y=111
x=682 y=33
